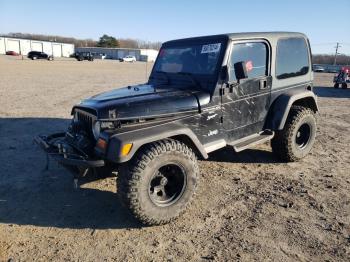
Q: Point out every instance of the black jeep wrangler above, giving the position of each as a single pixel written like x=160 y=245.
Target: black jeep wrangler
x=203 y=94
x=81 y=56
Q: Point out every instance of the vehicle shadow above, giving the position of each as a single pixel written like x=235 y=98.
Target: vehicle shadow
x=332 y=92
x=29 y=195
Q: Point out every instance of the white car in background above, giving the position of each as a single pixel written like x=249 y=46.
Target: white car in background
x=128 y=58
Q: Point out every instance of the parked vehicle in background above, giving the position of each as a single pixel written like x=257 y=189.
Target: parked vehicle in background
x=327 y=68
x=342 y=78
x=129 y=58
x=81 y=56
x=319 y=69
x=12 y=53
x=332 y=70
x=39 y=55
x=203 y=94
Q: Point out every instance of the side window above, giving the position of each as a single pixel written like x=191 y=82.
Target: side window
x=255 y=54
x=292 y=58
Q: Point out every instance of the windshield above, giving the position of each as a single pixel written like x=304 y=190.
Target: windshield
x=197 y=59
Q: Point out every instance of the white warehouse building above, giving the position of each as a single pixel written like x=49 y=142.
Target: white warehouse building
x=24 y=46
x=148 y=55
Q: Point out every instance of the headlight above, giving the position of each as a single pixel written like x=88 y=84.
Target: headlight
x=96 y=129
x=99 y=126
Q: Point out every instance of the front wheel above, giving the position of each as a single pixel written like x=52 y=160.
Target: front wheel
x=336 y=85
x=296 y=139
x=344 y=86
x=160 y=182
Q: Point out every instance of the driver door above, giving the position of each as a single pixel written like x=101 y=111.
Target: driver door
x=246 y=105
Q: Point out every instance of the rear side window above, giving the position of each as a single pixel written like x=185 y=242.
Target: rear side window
x=292 y=58
x=255 y=55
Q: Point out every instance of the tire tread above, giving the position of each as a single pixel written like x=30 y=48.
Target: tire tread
x=130 y=175
x=281 y=143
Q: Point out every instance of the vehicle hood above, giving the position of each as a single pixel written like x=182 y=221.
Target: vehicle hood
x=144 y=101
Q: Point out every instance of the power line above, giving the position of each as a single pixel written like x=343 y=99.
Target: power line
x=336 y=53
x=324 y=43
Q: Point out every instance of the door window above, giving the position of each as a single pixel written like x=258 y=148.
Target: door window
x=254 y=54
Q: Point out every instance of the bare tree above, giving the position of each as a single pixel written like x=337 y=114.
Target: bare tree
x=122 y=42
x=342 y=59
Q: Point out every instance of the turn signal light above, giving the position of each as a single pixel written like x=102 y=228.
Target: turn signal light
x=101 y=144
x=126 y=149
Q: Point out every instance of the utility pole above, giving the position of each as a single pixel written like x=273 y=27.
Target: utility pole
x=336 y=53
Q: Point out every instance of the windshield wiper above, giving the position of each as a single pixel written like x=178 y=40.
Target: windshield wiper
x=190 y=76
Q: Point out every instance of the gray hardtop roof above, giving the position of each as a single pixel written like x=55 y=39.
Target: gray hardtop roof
x=233 y=36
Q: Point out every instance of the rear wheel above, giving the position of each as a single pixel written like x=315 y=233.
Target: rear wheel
x=336 y=85
x=296 y=139
x=344 y=86
x=160 y=182
x=34 y=57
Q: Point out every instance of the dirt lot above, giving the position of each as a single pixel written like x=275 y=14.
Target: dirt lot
x=249 y=206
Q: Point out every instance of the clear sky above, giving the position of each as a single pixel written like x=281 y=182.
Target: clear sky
x=325 y=22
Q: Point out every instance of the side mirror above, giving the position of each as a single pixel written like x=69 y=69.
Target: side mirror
x=240 y=70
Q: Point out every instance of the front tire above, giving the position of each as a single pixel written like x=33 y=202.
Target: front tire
x=336 y=85
x=296 y=139
x=160 y=182
x=344 y=86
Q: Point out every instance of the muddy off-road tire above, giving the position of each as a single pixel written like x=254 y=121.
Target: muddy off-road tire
x=159 y=183
x=296 y=139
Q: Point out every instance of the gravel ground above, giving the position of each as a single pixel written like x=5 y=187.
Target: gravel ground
x=249 y=206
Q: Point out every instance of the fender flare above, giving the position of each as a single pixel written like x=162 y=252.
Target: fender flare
x=140 y=137
x=280 y=108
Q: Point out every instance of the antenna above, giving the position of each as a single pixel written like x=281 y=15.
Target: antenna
x=146 y=65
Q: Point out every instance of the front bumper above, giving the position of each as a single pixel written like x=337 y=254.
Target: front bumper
x=65 y=154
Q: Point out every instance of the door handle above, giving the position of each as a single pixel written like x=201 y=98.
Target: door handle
x=263 y=84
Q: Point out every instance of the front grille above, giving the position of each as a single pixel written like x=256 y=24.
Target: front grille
x=86 y=119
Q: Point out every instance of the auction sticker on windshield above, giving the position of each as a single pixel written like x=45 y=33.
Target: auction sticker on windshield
x=211 y=48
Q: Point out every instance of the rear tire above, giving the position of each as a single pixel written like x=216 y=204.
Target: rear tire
x=344 y=86
x=336 y=85
x=159 y=182
x=296 y=139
